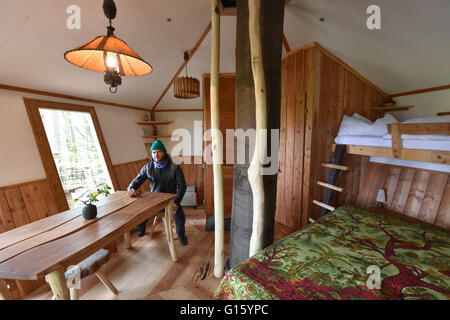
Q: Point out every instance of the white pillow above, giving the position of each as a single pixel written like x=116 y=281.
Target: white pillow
x=352 y=126
x=360 y=117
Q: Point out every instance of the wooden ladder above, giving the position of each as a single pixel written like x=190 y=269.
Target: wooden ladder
x=331 y=186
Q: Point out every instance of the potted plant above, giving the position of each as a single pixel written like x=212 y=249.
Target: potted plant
x=90 y=210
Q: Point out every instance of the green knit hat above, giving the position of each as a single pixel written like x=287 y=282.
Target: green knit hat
x=158 y=145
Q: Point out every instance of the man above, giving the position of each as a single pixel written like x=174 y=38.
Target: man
x=165 y=176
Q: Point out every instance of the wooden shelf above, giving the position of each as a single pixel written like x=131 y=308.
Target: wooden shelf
x=393 y=108
x=443 y=114
x=153 y=123
x=155 y=137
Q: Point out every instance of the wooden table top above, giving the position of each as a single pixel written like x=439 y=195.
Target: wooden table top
x=33 y=250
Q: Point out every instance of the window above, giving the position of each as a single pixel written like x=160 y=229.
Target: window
x=76 y=151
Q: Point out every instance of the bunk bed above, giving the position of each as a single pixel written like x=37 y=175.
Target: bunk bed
x=412 y=140
x=333 y=257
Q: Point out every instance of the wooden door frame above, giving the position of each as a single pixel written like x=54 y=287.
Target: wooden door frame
x=32 y=106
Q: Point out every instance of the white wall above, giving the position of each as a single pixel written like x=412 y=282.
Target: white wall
x=183 y=120
x=19 y=156
x=426 y=104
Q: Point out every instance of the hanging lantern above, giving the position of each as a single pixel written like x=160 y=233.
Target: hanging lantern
x=186 y=87
x=109 y=55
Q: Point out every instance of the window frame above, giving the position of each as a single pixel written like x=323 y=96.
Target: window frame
x=32 y=106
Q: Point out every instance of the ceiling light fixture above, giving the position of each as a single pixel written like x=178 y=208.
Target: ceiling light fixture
x=109 y=55
x=186 y=87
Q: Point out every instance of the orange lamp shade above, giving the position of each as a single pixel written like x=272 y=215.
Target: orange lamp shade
x=108 y=52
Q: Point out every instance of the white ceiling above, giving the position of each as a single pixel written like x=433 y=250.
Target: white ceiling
x=409 y=52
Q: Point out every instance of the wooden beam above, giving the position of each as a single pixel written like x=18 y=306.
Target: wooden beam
x=148 y=123
x=392 y=109
x=442 y=157
x=443 y=114
x=421 y=128
x=179 y=110
x=409 y=93
x=286 y=44
x=216 y=142
x=191 y=54
x=64 y=96
x=396 y=140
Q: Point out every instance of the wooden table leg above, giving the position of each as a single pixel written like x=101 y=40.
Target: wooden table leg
x=155 y=222
x=58 y=284
x=4 y=291
x=168 y=216
x=166 y=231
x=127 y=239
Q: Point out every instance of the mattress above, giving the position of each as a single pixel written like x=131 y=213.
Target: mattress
x=335 y=258
x=439 y=145
x=412 y=164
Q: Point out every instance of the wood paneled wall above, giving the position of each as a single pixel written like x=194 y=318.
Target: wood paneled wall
x=126 y=172
x=21 y=204
x=330 y=89
x=227 y=101
x=420 y=194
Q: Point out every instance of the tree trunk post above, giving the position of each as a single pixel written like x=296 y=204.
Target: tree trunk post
x=272 y=17
x=217 y=147
x=255 y=170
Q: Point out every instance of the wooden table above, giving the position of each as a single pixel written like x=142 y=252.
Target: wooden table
x=48 y=246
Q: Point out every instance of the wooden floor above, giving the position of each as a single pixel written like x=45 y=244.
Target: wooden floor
x=147 y=271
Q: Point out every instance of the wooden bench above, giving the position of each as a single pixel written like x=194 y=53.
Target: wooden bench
x=91 y=266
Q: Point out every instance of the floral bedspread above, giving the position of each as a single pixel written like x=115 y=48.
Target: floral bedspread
x=348 y=254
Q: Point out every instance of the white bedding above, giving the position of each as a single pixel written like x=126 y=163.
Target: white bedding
x=357 y=130
x=412 y=164
x=440 y=145
x=357 y=125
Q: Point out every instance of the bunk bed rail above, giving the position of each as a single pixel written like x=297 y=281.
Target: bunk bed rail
x=399 y=152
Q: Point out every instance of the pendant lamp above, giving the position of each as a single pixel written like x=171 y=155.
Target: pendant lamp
x=186 y=87
x=109 y=55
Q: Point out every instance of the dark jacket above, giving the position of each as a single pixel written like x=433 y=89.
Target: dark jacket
x=167 y=180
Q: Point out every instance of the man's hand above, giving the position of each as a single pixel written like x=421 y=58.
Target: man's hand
x=175 y=207
x=133 y=193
